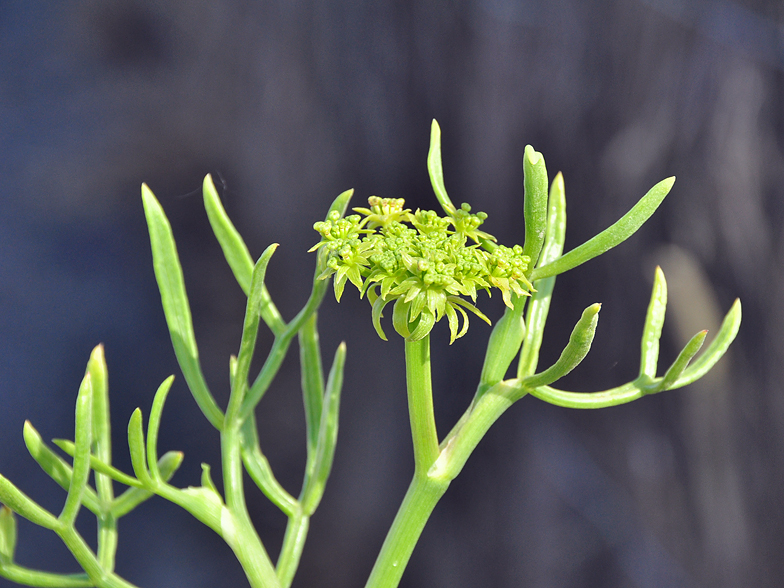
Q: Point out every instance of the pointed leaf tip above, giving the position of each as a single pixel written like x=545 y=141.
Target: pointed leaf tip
x=612 y=236
x=558 y=182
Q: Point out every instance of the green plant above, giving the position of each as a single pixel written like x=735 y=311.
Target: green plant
x=426 y=265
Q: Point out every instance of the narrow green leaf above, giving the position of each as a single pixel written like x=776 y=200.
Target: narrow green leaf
x=378 y=307
x=556 y=221
x=675 y=377
x=436 y=170
x=464 y=328
x=539 y=306
x=504 y=344
x=176 y=308
x=154 y=426
x=424 y=324
x=102 y=449
x=81 y=458
x=250 y=328
x=683 y=359
x=589 y=400
x=56 y=467
x=25 y=506
x=575 y=351
x=237 y=254
x=313 y=488
x=611 y=236
x=451 y=316
x=101 y=433
x=206 y=478
x=716 y=350
x=169 y=464
x=279 y=348
x=654 y=321
x=27 y=577
x=99 y=466
x=400 y=317
x=234 y=248
x=534 y=204
x=260 y=471
x=7 y=535
x=340 y=203
x=312 y=379
x=136 y=447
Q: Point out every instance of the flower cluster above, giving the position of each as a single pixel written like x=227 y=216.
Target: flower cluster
x=423 y=262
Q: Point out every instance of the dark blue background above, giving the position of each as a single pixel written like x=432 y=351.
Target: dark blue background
x=289 y=103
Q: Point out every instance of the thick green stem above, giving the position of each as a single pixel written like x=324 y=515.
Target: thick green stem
x=423 y=493
x=420 y=500
x=471 y=429
x=429 y=486
x=420 y=404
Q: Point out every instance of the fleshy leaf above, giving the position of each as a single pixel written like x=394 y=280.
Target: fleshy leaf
x=611 y=236
x=435 y=169
x=575 y=351
x=176 y=308
x=654 y=321
x=534 y=204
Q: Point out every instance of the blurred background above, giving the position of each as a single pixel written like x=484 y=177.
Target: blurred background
x=287 y=104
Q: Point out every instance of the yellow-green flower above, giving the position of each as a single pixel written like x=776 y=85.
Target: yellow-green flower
x=422 y=262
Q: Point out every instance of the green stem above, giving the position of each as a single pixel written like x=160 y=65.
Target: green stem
x=420 y=500
x=89 y=562
x=236 y=527
x=293 y=544
x=279 y=349
x=107 y=537
x=238 y=531
x=424 y=492
x=420 y=404
x=429 y=486
x=461 y=441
